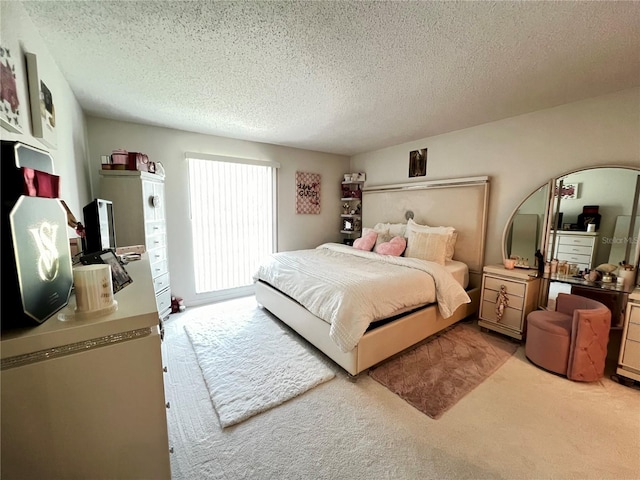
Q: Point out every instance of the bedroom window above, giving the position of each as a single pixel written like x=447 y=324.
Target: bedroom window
x=232 y=205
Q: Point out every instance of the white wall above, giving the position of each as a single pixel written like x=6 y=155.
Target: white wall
x=19 y=35
x=169 y=146
x=520 y=153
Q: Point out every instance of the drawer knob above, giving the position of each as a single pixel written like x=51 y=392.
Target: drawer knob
x=164 y=369
x=168 y=405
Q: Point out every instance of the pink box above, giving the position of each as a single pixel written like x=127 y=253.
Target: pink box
x=119 y=157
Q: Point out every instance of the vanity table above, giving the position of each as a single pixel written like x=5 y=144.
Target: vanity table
x=612 y=295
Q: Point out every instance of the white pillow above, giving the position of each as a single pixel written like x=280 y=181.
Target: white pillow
x=395 y=229
x=377 y=229
x=452 y=235
x=427 y=246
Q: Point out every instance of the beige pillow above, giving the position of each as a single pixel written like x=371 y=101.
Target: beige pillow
x=452 y=235
x=427 y=246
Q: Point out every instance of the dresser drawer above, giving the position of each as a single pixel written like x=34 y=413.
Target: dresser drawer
x=161 y=282
x=511 y=317
x=157 y=255
x=582 y=260
x=575 y=240
x=575 y=249
x=155 y=228
x=159 y=268
x=513 y=288
x=156 y=241
x=163 y=301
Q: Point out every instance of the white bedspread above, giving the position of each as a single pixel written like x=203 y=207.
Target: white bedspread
x=350 y=288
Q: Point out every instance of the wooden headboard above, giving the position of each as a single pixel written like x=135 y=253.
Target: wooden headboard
x=458 y=202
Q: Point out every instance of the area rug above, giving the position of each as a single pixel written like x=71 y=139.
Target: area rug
x=250 y=364
x=439 y=372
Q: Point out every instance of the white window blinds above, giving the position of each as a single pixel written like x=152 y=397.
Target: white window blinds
x=232 y=219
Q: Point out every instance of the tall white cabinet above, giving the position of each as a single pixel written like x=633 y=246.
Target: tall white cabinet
x=139 y=214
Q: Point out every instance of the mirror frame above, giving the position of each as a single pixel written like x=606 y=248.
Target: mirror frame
x=550 y=208
x=545 y=222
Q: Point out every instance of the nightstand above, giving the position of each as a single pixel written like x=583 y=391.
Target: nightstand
x=522 y=288
x=629 y=360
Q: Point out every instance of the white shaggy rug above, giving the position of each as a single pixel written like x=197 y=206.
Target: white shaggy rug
x=251 y=363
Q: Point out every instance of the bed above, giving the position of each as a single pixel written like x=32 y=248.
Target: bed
x=387 y=324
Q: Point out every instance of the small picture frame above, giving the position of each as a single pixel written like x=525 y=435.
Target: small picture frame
x=41 y=100
x=119 y=276
x=418 y=163
x=348 y=225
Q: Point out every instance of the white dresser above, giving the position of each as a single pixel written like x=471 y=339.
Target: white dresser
x=139 y=215
x=85 y=398
x=575 y=247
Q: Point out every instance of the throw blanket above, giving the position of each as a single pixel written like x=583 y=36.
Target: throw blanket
x=351 y=288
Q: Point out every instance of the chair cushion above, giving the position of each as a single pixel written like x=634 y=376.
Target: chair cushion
x=553 y=322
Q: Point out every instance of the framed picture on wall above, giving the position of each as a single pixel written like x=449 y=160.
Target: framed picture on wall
x=10 y=108
x=41 y=100
x=418 y=163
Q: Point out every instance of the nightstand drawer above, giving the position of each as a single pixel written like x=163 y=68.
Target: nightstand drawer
x=631 y=355
x=491 y=296
x=513 y=288
x=511 y=317
x=633 y=332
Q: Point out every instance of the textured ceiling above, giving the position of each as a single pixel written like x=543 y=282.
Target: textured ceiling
x=341 y=77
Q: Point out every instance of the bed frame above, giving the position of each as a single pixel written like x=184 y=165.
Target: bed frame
x=461 y=203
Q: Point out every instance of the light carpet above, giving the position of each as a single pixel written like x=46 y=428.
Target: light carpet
x=250 y=364
x=436 y=374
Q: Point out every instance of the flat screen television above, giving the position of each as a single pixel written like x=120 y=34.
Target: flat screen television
x=100 y=232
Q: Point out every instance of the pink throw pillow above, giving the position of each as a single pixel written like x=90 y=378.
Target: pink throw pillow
x=365 y=242
x=394 y=247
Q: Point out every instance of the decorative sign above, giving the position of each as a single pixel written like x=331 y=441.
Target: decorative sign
x=569 y=191
x=10 y=115
x=308 y=193
x=42 y=255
